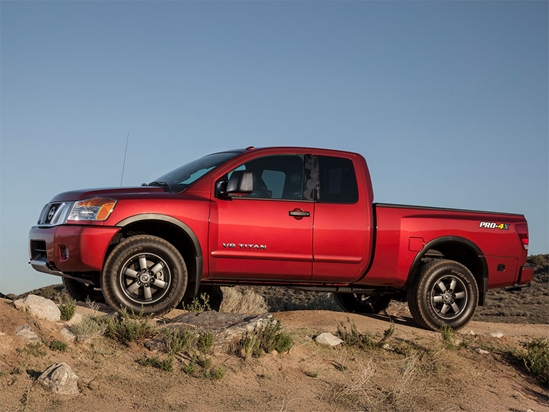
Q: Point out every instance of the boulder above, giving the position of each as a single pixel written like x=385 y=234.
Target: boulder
x=27 y=333
x=39 y=307
x=226 y=327
x=60 y=378
x=328 y=339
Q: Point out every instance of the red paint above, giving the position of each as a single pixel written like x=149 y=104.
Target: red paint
x=302 y=242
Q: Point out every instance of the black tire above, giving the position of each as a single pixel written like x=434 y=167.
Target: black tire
x=144 y=274
x=82 y=291
x=444 y=292
x=360 y=303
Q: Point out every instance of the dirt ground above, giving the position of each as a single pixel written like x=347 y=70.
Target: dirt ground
x=415 y=371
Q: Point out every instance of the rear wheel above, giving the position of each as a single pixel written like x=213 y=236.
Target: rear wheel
x=360 y=303
x=83 y=291
x=444 y=292
x=144 y=274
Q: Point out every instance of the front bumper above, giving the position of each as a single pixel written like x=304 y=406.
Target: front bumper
x=66 y=249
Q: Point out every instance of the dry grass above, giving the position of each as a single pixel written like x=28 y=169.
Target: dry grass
x=247 y=301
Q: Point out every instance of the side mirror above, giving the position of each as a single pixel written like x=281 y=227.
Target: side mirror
x=240 y=183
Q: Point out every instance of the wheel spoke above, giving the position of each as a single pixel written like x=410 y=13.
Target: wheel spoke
x=455 y=307
x=460 y=295
x=142 y=262
x=156 y=268
x=444 y=309
x=453 y=284
x=441 y=286
x=147 y=292
x=159 y=283
x=133 y=287
x=437 y=299
x=130 y=273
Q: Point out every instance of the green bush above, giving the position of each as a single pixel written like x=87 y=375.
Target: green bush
x=352 y=337
x=536 y=359
x=205 y=342
x=125 y=329
x=177 y=340
x=57 y=345
x=165 y=365
x=67 y=309
x=91 y=327
x=199 y=304
x=265 y=339
x=214 y=373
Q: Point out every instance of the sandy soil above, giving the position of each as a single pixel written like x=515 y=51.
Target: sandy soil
x=414 y=373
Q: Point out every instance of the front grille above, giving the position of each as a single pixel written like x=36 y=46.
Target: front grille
x=54 y=214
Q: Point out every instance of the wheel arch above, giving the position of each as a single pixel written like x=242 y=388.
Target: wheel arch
x=173 y=231
x=458 y=249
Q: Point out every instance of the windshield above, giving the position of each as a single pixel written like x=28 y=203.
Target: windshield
x=182 y=177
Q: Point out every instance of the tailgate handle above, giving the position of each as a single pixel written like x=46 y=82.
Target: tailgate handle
x=299 y=214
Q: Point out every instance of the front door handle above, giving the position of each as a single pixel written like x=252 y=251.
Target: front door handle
x=299 y=214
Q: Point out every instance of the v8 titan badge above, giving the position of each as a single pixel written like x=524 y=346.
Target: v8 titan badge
x=493 y=225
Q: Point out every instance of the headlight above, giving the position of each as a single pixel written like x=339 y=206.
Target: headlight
x=96 y=208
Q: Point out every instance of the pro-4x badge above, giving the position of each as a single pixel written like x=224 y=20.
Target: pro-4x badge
x=493 y=225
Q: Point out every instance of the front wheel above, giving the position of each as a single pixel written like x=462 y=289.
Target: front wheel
x=444 y=292
x=144 y=274
x=360 y=303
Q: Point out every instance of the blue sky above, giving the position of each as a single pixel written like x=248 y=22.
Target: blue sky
x=448 y=101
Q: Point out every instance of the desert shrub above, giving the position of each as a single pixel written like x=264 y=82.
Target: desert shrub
x=91 y=327
x=57 y=345
x=536 y=358
x=177 y=340
x=352 y=337
x=35 y=349
x=214 y=373
x=448 y=337
x=199 y=304
x=202 y=366
x=165 y=365
x=205 y=341
x=266 y=339
x=125 y=329
x=67 y=309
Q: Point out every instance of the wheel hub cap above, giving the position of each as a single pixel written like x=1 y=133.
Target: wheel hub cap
x=448 y=297
x=145 y=278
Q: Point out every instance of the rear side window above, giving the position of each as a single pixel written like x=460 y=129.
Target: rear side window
x=337 y=180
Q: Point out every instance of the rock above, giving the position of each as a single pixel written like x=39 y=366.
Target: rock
x=226 y=327
x=39 y=307
x=482 y=351
x=27 y=333
x=496 y=335
x=60 y=378
x=67 y=334
x=328 y=339
x=75 y=320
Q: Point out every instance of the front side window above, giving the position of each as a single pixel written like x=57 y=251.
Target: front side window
x=337 y=180
x=276 y=177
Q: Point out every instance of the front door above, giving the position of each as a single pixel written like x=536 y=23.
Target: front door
x=268 y=234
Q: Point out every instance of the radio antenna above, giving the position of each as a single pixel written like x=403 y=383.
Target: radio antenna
x=124 y=163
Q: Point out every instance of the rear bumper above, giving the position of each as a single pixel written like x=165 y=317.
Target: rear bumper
x=526 y=275
x=66 y=249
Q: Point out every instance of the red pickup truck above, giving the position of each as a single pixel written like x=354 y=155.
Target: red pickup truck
x=286 y=216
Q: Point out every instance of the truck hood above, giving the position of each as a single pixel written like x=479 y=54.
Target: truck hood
x=114 y=193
